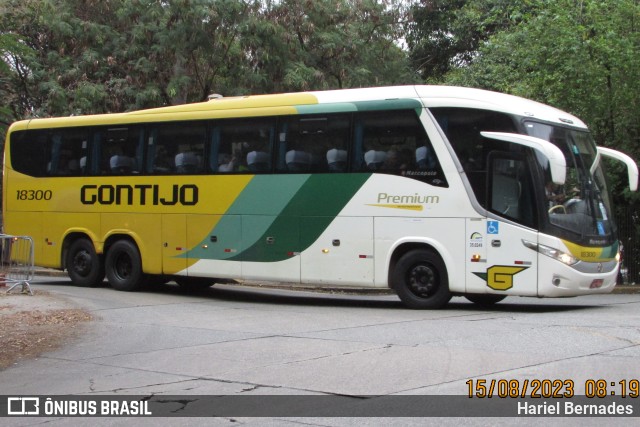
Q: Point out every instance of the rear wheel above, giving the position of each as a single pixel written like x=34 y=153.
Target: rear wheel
x=485 y=299
x=420 y=279
x=124 y=266
x=83 y=264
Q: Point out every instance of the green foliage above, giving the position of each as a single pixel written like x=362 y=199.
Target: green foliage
x=446 y=34
x=304 y=45
x=64 y=57
x=580 y=56
x=92 y=56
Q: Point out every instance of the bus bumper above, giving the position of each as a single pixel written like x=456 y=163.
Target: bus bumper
x=560 y=280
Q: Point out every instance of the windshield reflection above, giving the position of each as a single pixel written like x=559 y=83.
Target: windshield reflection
x=582 y=204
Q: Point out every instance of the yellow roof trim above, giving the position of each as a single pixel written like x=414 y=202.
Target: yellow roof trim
x=246 y=106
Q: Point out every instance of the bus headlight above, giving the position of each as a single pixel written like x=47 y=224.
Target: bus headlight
x=557 y=254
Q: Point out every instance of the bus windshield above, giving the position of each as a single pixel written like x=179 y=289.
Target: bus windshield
x=580 y=209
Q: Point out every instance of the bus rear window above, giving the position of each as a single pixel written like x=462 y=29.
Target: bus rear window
x=49 y=153
x=28 y=152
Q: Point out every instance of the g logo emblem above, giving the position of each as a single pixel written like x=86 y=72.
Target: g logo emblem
x=500 y=277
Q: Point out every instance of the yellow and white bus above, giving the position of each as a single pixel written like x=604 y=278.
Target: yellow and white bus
x=432 y=191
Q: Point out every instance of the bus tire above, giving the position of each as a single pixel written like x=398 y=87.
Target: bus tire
x=484 y=300
x=84 y=266
x=124 y=266
x=420 y=279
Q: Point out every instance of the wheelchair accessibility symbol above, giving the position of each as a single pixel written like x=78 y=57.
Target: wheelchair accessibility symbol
x=493 y=227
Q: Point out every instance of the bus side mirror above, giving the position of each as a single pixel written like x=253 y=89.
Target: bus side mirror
x=632 y=168
x=557 y=162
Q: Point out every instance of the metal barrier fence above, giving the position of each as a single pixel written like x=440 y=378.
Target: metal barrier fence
x=16 y=262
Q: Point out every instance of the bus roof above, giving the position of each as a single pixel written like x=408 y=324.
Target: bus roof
x=289 y=103
x=450 y=96
x=453 y=96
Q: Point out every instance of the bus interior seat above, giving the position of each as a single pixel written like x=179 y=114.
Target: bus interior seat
x=424 y=159
x=506 y=195
x=337 y=160
x=188 y=162
x=83 y=164
x=258 y=161
x=298 y=161
x=225 y=162
x=121 y=164
x=374 y=159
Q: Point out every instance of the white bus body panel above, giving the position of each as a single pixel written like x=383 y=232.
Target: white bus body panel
x=497 y=262
x=445 y=235
x=342 y=255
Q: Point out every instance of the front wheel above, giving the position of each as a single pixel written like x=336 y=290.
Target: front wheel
x=83 y=264
x=420 y=279
x=124 y=266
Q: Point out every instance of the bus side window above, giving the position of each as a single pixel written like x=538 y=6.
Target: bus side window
x=313 y=144
x=66 y=148
x=176 y=148
x=462 y=127
x=242 y=146
x=119 y=150
x=395 y=142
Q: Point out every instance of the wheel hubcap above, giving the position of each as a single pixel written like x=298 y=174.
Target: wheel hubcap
x=422 y=280
x=123 y=266
x=82 y=263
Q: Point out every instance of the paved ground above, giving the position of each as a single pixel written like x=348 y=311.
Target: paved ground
x=230 y=340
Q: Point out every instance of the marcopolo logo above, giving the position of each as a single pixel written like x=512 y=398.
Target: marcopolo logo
x=142 y=194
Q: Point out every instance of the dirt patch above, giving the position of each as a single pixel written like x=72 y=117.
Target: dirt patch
x=33 y=325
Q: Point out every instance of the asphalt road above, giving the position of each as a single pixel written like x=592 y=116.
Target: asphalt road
x=231 y=340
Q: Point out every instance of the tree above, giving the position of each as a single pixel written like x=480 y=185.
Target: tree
x=104 y=56
x=575 y=55
x=96 y=56
x=446 y=34
x=303 y=45
x=10 y=48
x=582 y=57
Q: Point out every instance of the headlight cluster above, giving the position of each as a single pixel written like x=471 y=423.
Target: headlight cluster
x=557 y=254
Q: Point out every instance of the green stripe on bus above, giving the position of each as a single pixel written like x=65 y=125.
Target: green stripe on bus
x=263 y=199
x=348 y=107
x=342 y=107
x=322 y=197
x=389 y=104
x=265 y=220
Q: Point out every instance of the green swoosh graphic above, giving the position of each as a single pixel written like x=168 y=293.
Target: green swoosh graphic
x=273 y=207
